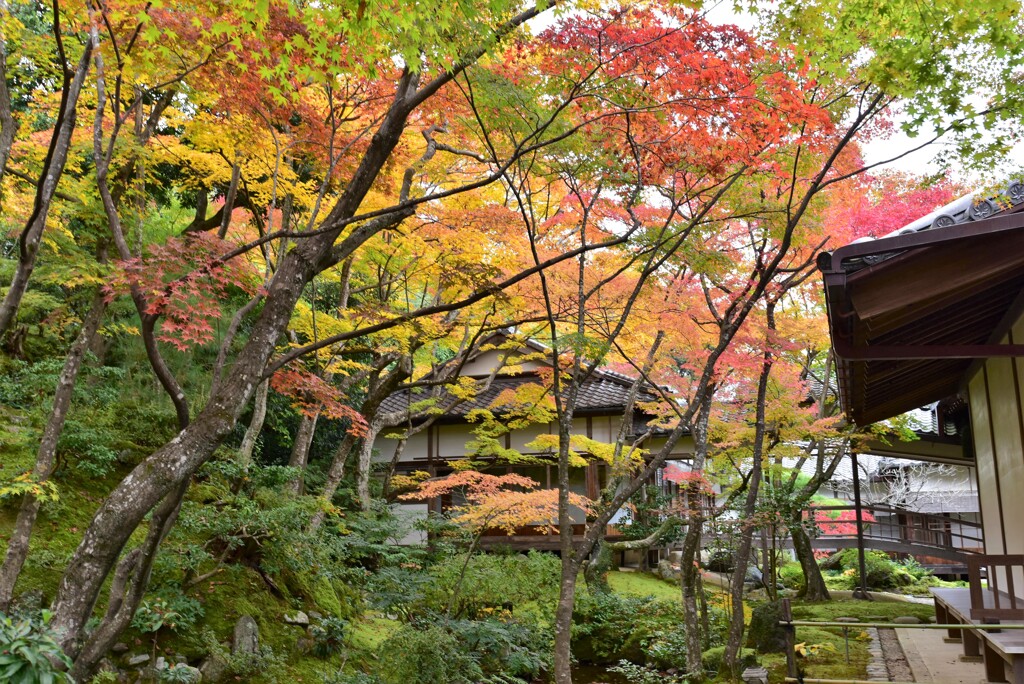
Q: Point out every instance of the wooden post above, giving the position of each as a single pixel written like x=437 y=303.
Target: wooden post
x=860 y=592
x=790 y=632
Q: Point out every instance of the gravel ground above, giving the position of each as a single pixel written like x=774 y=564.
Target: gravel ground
x=892 y=653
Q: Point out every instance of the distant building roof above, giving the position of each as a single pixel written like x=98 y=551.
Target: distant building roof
x=603 y=392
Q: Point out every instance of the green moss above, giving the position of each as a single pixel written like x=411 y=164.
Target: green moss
x=643 y=584
x=370 y=632
x=830 y=610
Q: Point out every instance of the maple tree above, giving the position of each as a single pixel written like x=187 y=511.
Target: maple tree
x=330 y=203
x=494 y=502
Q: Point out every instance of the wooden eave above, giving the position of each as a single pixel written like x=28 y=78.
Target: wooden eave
x=907 y=328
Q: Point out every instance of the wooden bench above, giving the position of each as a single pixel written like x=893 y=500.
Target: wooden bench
x=994 y=605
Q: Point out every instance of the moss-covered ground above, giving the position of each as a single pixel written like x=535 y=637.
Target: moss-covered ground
x=826 y=646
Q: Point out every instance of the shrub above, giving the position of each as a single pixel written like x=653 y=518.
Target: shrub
x=244 y=666
x=328 y=636
x=792 y=576
x=882 y=571
x=431 y=655
x=609 y=627
x=491 y=582
x=713 y=657
x=28 y=651
x=177 y=674
x=505 y=648
x=645 y=674
x=462 y=651
x=667 y=648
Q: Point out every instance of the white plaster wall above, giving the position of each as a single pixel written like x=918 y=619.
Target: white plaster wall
x=486 y=362
x=409 y=514
x=451 y=440
x=986 y=466
x=519 y=438
x=1001 y=459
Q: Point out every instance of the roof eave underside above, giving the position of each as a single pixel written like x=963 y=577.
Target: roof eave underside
x=946 y=290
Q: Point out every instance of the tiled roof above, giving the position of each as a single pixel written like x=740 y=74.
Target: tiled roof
x=963 y=210
x=602 y=392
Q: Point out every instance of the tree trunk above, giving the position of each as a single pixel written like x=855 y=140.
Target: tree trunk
x=7 y=124
x=563 y=621
x=229 y=201
x=300 y=452
x=365 y=464
x=17 y=548
x=814 y=583
x=689 y=581
x=126 y=595
x=252 y=433
x=689 y=563
x=53 y=168
x=596 y=570
x=396 y=458
x=174 y=463
x=742 y=559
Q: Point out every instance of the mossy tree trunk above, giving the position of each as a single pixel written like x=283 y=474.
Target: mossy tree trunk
x=814 y=583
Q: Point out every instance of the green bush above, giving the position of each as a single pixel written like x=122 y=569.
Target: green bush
x=490 y=583
x=431 y=655
x=645 y=674
x=765 y=634
x=609 y=627
x=328 y=636
x=713 y=657
x=463 y=651
x=792 y=576
x=28 y=651
x=882 y=572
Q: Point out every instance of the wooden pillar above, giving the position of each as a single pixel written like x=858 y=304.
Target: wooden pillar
x=860 y=592
x=789 y=630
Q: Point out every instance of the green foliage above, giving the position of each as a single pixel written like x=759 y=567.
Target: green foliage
x=353 y=678
x=24 y=484
x=505 y=648
x=490 y=582
x=328 y=636
x=792 y=575
x=177 y=674
x=167 y=607
x=765 y=634
x=464 y=652
x=666 y=648
x=644 y=515
x=105 y=677
x=265 y=662
x=398 y=590
x=28 y=651
x=431 y=655
x=712 y=658
x=882 y=571
x=645 y=674
x=608 y=627
x=154 y=615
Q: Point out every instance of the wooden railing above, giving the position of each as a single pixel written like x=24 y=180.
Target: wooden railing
x=1005 y=604
x=897 y=524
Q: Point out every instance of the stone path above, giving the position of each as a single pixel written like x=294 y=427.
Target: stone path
x=877 y=671
x=895 y=659
x=934 y=660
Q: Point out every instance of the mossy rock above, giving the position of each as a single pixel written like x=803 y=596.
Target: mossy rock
x=765 y=633
x=712 y=658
